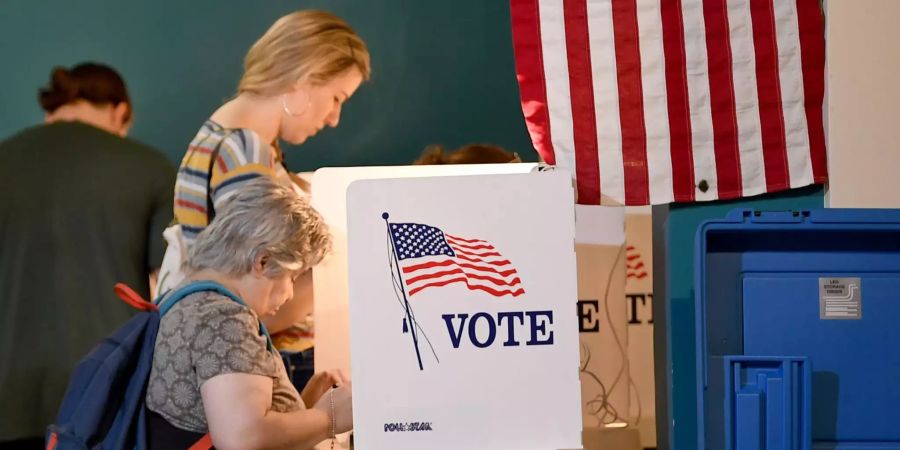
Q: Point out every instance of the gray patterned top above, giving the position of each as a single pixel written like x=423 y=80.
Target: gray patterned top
x=204 y=335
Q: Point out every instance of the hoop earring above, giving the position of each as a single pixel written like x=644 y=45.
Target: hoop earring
x=288 y=111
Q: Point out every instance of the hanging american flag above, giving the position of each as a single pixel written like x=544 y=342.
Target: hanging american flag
x=655 y=101
x=430 y=258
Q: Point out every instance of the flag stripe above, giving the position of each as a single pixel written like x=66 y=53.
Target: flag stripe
x=502 y=262
x=443 y=271
x=678 y=106
x=489 y=290
x=471 y=247
x=432 y=264
x=584 y=122
x=771 y=116
x=530 y=73
x=790 y=72
x=503 y=270
x=697 y=68
x=606 y=100
x=746 y=98
x=728 y=164
x=631 y=107
x=556 y=72
x=494 y=280
x=655 y=101
x=427 y=276
x=480 y=255
x=812 y=52
x=468 y=241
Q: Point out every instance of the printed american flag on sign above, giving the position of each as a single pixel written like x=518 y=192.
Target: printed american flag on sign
x=634 y=267
x=430 y=258
x=655 y=101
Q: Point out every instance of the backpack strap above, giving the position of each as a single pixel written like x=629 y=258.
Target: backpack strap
x=132 y=298
x=171 y=299
x=205 y=443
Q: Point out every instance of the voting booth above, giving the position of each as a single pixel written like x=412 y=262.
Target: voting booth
x=463 y=332
x=522 y=212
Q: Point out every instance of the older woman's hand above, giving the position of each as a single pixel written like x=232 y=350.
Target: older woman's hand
x=320 y=383
x=338 y=404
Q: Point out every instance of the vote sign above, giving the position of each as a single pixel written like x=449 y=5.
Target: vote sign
x=463 y=319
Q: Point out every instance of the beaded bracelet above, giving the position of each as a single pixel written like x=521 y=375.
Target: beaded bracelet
x=333 y=419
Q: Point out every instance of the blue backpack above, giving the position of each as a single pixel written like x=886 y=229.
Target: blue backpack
x=103 y=407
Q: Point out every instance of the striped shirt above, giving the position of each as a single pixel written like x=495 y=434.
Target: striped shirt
x=241 y=157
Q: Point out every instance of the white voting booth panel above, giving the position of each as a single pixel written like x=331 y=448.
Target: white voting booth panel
x=463 y=331
x=329 y=197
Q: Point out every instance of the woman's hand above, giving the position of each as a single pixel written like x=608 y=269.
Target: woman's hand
x=342 y=410
x=320 y=383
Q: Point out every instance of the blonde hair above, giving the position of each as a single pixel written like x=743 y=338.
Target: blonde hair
x=311 y=44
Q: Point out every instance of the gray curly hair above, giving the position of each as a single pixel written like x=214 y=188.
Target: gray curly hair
x=262 y=218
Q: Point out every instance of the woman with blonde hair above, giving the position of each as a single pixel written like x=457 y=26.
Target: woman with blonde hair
x=297 y=78
x=214 y=369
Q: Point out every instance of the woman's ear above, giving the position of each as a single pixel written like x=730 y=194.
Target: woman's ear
x=260 y=264
x=121 y=122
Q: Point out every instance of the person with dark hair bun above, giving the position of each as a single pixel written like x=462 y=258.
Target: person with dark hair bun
x=91 y=93
x=81 y=208
x=468 y=154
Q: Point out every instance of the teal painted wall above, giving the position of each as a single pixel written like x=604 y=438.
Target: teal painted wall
x=680 y=229
x=443 y=72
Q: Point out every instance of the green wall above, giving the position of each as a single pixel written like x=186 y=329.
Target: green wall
x=443 y=72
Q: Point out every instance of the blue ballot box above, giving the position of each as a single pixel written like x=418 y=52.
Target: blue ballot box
x=811 y=290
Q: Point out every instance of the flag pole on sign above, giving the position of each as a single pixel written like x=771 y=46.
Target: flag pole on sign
x=409 y=318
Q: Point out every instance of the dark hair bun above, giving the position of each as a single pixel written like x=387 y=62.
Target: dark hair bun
x=63 y=89
x=92 y=82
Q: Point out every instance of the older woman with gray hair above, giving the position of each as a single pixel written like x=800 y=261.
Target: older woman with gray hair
x=214 y=370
